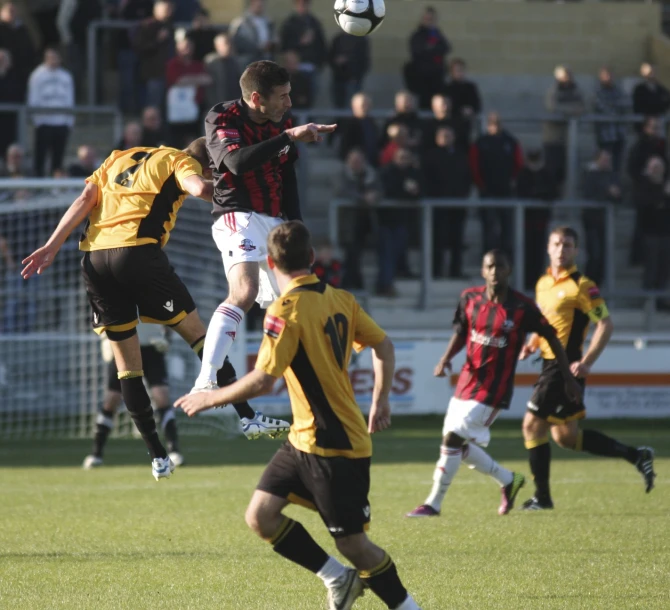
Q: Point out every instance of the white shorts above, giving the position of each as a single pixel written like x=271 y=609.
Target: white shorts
x=470 y=419
x=241 y=237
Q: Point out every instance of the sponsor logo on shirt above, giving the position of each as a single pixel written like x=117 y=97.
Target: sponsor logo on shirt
x=228 y=134
x=273 y=326
x=482 y=339
x=594 y=293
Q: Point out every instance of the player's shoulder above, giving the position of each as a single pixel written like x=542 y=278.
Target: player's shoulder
x=225 y=112
x=473 y=292
x=523 y=300
x=284 y=307
x=588 y=288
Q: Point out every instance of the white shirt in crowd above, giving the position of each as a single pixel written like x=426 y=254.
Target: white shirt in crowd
x=54 y=88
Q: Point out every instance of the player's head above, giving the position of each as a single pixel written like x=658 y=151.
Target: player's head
x=266 y=88
x=290 y=248
x=496 y=270
x=562 y=248
x=198 y=150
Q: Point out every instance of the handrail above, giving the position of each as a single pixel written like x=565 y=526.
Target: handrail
x=518 y=206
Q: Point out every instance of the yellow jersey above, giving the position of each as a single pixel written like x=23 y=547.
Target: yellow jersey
x=569 y=302
x=140 y=191
x=309 y=332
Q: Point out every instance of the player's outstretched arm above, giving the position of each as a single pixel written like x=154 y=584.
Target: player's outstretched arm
x=197 y=186
x=310 y=132
x=81 y=207
x=383 y=364
x=456 y=344
x=572 y=388
x=255 y=383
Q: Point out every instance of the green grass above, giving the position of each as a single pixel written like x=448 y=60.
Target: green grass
x=114 y=539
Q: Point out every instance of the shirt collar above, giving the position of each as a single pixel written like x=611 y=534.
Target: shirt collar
x=565 y=273
x=303 y=280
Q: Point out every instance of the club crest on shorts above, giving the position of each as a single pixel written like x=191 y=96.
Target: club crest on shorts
x=508 y=325
x=247 y=245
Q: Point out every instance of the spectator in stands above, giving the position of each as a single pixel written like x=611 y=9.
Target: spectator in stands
x=443 y=117
x=535 y=182
x=185 y=11
x=186 y=79
x=650 y=98
x=466 y=102
x=154 y=43
x=359 y=131
x=303 y=33
x=302 y=93
x=326 y=266
x=447 y=175
x=649 y=144
x=153 y=131
x=51 y=85
x=15 y=37
x=600 y=184
x=10 y=93
x=15 y=166
x=398 y=137
x=126 y=57
x=349 y=59
x=651 y=195
x=611 y=101
x=359 y=183
x=401 y=181
x=495 y=161
x=202 y=35
x=224 y=70
x=563 y=98
x=405 y=114
x=74 y=17
x=428 y=47
x=132 y=136
x=86 y=164
x=253 y=34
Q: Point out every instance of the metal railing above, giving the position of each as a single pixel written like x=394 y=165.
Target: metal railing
x=426 y=206
x=23 y=111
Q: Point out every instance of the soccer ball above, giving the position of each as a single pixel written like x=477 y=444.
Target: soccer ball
x=359 y=17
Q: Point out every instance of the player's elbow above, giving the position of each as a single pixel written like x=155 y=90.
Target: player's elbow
x=607 y=325
x=233 y=164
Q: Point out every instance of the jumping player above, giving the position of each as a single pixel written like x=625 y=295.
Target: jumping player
x=325 y=464
x=252 y=145
x=491 y=322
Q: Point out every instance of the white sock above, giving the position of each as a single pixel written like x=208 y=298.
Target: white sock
x=475 y=457
x=408 y=604
x=218 y=341
x=331 y=571
x=445 y=471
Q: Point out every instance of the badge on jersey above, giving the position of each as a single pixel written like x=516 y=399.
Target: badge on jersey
x=273 y=326
x=594 y=293
x=230 y=135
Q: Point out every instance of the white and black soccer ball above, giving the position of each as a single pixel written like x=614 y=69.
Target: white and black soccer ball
x=359 y=17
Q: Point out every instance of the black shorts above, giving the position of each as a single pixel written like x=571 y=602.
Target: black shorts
x=120 y=282
x=549 y=400
x=153 y=365
x=336 y=487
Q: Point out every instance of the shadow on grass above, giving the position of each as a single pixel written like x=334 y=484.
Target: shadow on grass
x=412 y=439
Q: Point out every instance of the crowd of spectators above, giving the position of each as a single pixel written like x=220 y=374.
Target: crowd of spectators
x=173 y=64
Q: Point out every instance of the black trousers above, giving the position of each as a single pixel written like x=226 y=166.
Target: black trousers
x=448 y=225
x=50 y=140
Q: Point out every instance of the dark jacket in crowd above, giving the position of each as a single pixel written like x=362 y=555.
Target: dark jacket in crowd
x=134 y=10
x=462 y=94
x=153 y=52
x=495 y=162
x=653 y=207
x=359 y=133
x=394 y=186
x=19 y=43
x=536 y=183
x=302 y=92
x=610 y=101
x=447 y=173
x=596 y=184
x=292 y=31
x=410 y=119
x=650 y=99
x=86 y=12
x=225 y=73
x=460 y=128
x=645 y=148
x=357 y=51
x=428 y=48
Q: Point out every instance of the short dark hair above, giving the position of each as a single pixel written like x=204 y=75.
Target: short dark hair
x=290 y=246
x=565 y=231
x=263 y=77
x=499 y=255
x=198 y=150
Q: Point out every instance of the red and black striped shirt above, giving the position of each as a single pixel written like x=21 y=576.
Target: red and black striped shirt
x=494 y=334
x=252 y=163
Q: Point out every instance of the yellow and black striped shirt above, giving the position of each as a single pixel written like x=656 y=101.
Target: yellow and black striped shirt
x=140 y=191
x=569 y=302
x=309 y=333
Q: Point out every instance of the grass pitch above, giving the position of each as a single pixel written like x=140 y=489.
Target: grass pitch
x=114 y=539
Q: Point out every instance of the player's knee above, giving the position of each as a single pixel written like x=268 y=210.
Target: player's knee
x=453 y=440
x=532 y=427
x=352 y=547
x=253 y=518
x=243 y=293
x=565 y=438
